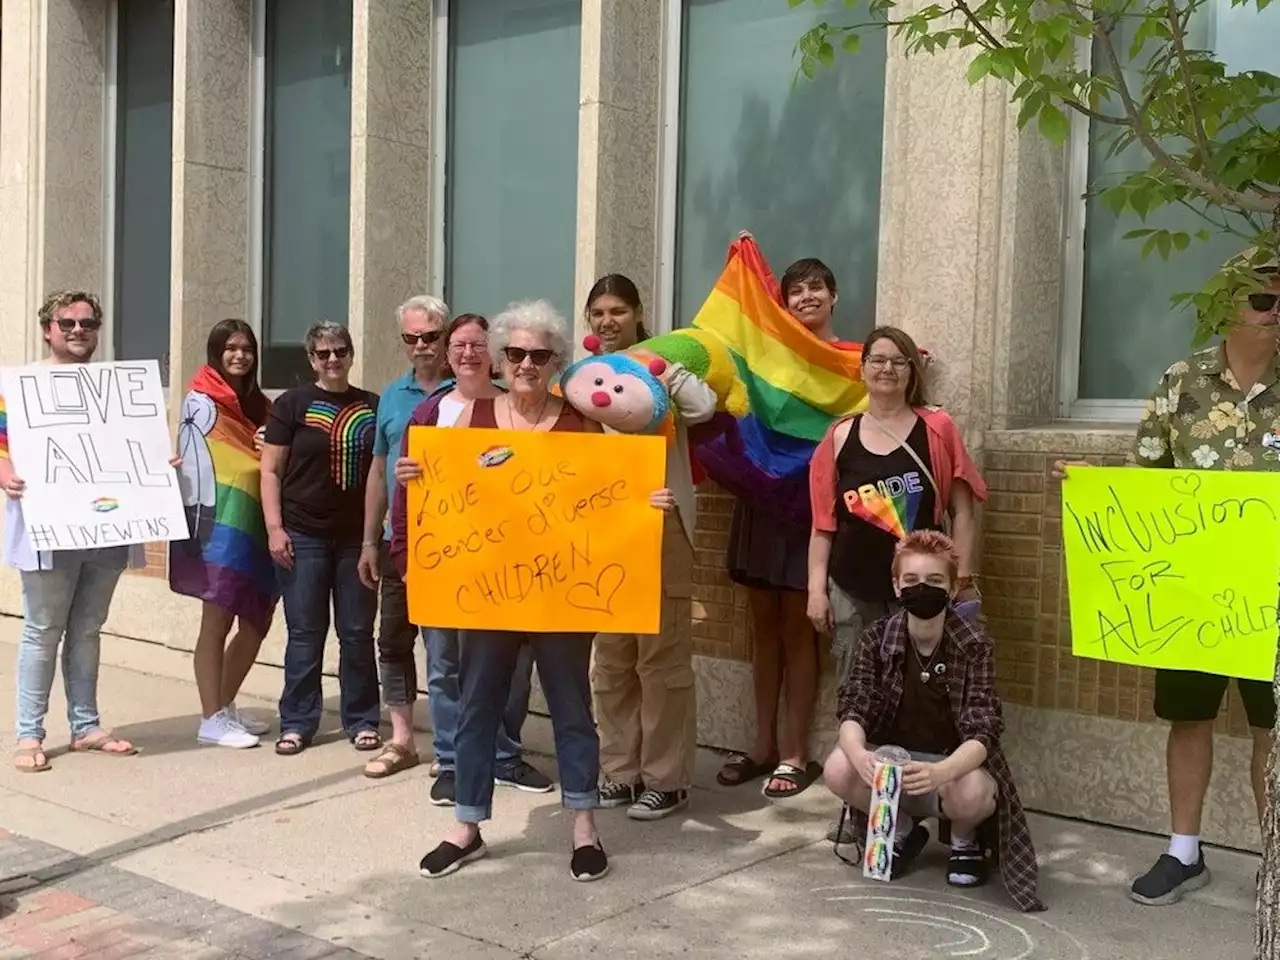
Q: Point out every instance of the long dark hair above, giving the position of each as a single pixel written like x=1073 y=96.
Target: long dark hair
x=907 y=347
x=252 y=400
x=616 y=285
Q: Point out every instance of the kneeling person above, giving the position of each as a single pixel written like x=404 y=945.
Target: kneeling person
x=924 y=679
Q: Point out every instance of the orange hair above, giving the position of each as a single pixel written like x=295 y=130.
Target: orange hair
x=928 y=543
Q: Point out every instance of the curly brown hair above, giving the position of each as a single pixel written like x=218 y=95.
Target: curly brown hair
x=62 y=299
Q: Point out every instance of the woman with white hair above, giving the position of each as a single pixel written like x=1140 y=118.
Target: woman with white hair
x=531 y=341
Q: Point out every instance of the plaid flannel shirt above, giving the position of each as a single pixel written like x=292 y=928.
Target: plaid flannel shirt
x=873 y=691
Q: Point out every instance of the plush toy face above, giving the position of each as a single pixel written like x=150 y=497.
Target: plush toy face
x=618 y=392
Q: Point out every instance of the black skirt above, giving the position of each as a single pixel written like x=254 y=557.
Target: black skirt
x=767 y=551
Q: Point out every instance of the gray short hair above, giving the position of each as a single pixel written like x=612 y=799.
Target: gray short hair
x=535 y=316
x=327 y=330
x=431 y=306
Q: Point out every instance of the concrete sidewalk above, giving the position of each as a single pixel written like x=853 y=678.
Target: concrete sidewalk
x=197 y=852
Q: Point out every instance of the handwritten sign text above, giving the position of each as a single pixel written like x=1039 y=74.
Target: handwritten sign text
x=535 y=531
x=1174 y=569
x=92 y=444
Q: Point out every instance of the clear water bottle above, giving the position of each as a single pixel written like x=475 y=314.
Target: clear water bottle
x=891 y=754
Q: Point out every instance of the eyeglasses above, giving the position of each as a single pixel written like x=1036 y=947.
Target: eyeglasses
x=462 y=347
x=878 y=362
x=1263 y=302
x=89 y=325
x=515 y=356
x=338 y=352
x=410 y=339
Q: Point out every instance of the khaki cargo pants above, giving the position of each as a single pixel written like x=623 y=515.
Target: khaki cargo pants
x=645 y=701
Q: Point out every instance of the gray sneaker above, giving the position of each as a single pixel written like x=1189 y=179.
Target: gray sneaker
x=1168 y=881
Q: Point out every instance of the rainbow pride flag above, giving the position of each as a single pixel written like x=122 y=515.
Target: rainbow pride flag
x=797 y=386
x=226 y=561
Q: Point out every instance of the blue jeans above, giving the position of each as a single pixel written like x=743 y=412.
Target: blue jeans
x=323 y=569
x=444 y=701
x=487 y=664
x=67 y=605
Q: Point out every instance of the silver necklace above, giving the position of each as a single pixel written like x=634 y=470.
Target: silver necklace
x=511 y=420
x=927 y=670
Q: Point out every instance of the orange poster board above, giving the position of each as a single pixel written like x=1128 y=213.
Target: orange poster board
x=510 y=530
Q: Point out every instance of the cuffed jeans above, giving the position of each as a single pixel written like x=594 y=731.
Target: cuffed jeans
x=396 y=635
x=67 y=605
x=322 y=569
x=487 y=663
x=444 y=701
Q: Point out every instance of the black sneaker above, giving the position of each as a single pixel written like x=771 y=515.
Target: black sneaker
x=449 y=857
x=1168 y=881
x=524 y=777
x=589 y=863
x=616 y=794
x=656 y=804
x=442 y=789
x=908 y=849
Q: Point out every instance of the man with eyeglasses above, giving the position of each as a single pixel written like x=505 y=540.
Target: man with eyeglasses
x=66 y=594
x=1217 y=410
x=422 y=320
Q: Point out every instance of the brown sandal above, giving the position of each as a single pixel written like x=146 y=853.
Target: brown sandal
x=99 y=741
x=32 y=753
x=393 y=759
x=742 y=769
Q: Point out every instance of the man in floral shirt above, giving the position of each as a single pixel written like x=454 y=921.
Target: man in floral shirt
x=1217 y=410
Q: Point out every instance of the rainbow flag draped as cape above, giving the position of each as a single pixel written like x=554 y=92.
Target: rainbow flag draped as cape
x=797 y=386
x=226 y=561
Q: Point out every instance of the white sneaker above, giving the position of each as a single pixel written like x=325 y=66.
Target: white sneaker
x=251 y=724
x=221 y=730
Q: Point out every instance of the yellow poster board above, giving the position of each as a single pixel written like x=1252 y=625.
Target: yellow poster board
x=1174 y=569
x=512 y=530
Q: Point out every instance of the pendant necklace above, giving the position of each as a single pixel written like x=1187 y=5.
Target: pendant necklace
x=541 y=413
x=926 y=669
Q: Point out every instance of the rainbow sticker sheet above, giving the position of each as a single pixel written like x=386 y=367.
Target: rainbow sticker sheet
x=877 y=859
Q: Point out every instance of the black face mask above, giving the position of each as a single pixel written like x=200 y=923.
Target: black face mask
x=923 y=600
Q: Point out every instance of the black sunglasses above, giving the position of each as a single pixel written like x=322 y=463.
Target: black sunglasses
x=90 y=325
x=516 y=355
x=339 y=352
x=1263 y=302
x=431 y=336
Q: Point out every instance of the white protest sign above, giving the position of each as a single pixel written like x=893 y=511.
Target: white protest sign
x=92 y=443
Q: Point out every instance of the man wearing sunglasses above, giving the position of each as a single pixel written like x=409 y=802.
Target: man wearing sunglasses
x=1217 y=410
x=67 y=594
x=422 y=320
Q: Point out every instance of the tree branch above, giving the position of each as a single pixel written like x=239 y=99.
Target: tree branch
x=1208 y=187
x=1176 y=26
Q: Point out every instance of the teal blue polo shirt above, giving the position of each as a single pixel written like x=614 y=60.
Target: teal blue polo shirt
x=396 y=406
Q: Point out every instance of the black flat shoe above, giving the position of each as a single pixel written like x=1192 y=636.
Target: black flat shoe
x=589 y=863
x=449 y=857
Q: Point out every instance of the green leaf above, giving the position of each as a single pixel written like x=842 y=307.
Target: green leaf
x=794 y=3
x=1164 y=243
x=1202 y=236
x=1054 y=124
x=827 y=54
x=1181 y=240
x=852 y=43
x=980 y=67
x=1138 y=234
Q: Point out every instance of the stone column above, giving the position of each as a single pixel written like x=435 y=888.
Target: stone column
x=212 y=107
x=391 y=177
x=970 y=240
x=619 y=138
x=52 y=82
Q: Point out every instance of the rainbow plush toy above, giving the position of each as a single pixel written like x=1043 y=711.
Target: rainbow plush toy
x=705 y=356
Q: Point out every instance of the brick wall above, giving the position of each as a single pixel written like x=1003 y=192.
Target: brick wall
x=720 y=624
x=157 y=561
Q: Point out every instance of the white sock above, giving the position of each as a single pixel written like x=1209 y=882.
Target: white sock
x=906 y=823
x=963 y=843
x=1185 y=848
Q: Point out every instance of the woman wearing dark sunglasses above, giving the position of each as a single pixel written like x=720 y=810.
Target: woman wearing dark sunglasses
x=531 y=342
x=315 y=464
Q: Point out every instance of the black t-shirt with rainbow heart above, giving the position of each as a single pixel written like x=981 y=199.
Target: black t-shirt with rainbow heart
x=330 y=440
